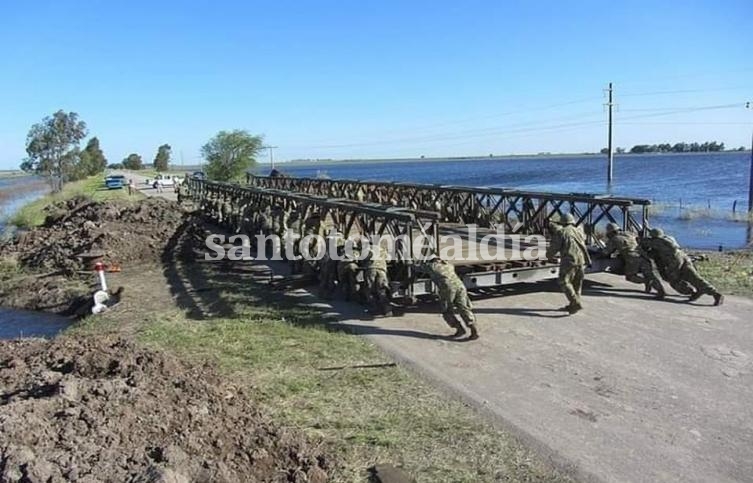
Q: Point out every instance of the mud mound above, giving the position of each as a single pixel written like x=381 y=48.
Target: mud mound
x=122 y=232
x=105 y=409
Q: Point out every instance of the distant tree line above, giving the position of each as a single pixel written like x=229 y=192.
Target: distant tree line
x=53 y=149
x=707 y=147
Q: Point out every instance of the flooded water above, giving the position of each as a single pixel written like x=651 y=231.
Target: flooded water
x=694 y=194
x=16 y=192
x=20 y=323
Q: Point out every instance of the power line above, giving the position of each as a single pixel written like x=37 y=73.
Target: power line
x=466 y=120
x=683 y=111
x=470 y=133
x=519 y=129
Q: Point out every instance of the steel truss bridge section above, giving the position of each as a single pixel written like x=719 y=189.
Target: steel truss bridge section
x=350 y=216
x=515 y=211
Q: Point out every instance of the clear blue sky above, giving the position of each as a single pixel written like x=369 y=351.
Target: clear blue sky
x=325 y=79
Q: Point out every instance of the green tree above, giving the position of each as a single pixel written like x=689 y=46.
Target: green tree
x=92 y=160
x=230 y=153
x=133 y=161
x=162 y=159
x=52 y=146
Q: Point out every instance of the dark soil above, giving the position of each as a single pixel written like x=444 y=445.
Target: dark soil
x=54 y=277
x=105 y=409
x=121 y=232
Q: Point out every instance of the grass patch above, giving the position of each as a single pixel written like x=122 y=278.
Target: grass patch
x=328 y=383
x=33 y=214
x=729 y=272
x=309 y=377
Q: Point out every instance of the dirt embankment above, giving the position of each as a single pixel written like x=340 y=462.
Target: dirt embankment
x=54 y=277
x=122 y=232
x=104 y=409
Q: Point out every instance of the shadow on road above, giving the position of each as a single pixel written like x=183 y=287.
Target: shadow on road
x=207 y=290
x=524 y=311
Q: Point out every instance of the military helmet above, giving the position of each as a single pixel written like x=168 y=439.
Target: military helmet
x=567 y=219
x=656 y=232
x=613 y=227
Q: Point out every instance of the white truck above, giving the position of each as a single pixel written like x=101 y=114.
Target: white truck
x=166 y=180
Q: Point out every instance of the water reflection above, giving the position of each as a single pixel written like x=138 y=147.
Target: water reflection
x=21 y=323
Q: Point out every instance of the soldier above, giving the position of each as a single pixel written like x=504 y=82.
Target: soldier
x=637 y=266
x=314 y=228
x=347 y=273
x=265 y=220
x=677 y=267
x=328 y=272
x=280 y=218
x=452 y=296
x=226 y=210
x=377 y=281
x=567 y=240
x=182 y=191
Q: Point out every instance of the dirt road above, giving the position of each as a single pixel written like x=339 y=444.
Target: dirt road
x=630 y=389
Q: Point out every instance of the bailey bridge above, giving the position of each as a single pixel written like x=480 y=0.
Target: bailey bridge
x=420 y=218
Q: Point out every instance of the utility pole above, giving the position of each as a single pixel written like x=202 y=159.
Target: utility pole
x=610 y=155
x=271 y=155
x=749 y=105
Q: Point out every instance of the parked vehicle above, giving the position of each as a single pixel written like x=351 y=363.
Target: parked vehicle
x=115 y=182
x=166 y=180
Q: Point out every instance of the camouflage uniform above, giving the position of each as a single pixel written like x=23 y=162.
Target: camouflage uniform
x=347 y=275
x=278 y=221
x=226 y=210
x=637 y=266
x=569 y=242
x=312 y=225
x=452 y=296
x=377 y=282
x=327 y=276
x=265 y=221
x=181 y=192
x=677 y=268
x=215 y=211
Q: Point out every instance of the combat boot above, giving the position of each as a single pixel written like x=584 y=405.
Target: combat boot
x=454 y=323
x=718 y=299
x=574 y=308
x=474 y=332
